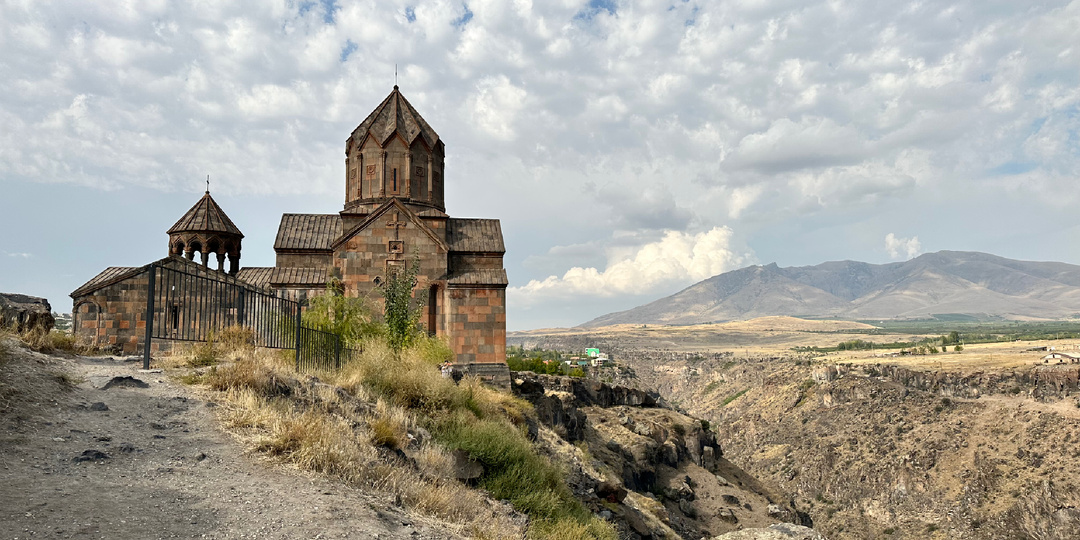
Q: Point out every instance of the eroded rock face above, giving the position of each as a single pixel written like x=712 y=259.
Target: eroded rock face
x=655 y=472
x=23 y=312
x=779 y=531
x=586 y=392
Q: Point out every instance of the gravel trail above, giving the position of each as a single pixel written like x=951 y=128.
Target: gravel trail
x=126 y=461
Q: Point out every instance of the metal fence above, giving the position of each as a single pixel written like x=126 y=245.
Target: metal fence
x=321 y=350
x=186 y=306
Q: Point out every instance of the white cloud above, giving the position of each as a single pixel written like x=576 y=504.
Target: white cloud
x=902 y=248
x=676 y=258
x=760 y=115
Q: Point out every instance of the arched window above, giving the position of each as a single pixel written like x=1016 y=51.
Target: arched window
x=395 y=181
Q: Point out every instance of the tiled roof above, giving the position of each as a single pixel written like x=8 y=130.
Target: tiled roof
x=479 y=277
x=299 y=276
x=205 y=216
x=477 y=235
x=395 y=113
x=274 y=276
x=108 y=276
x=255 y=275
x=308 y=231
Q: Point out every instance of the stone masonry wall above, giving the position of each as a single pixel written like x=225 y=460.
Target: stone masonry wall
x=304 y=260
x=114 y=317
x=477 y=324
x=364 y=257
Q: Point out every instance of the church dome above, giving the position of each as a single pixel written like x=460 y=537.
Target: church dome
x=395 y=115
x=205 y=229
x=394 y=154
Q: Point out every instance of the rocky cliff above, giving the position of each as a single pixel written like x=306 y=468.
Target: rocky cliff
x=887 y=451
x=656 y=472
x=22 y=312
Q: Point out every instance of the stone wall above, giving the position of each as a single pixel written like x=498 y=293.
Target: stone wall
x=477 y=324
x=304 y=260
x=495 y=375
x=391 y=239
x=113 y=317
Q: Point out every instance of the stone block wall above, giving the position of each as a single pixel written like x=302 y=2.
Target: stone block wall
x=475 y=261
x=364 y=257
x=493 y=374
x=114 y=317
x=303 y=260
x=476 y=323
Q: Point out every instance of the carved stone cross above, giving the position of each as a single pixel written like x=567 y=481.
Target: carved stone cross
x=396 y=224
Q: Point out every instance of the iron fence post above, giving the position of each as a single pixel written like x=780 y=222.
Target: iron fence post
x=298 y=337
x=337 y=351
x=150 y=293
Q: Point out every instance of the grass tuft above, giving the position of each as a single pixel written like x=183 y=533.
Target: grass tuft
x=328 y=425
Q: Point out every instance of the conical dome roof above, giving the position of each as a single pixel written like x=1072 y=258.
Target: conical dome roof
x=206 y=216
x=395 y=114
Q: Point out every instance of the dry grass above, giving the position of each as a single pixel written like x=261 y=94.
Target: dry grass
x=760 y=336
x=51 y=341
x=323 y=428
x=974 y=357
x=229 y=344
x=355 y=424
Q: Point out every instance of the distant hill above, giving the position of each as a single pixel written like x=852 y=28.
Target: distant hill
x=946 y=282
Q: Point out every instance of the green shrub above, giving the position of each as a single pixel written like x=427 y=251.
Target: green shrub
x=734 y=396
x=400 y=311
x=512 y=469
x=347 y=317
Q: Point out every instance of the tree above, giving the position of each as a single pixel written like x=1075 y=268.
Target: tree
x=336 y=313
x=401 y=312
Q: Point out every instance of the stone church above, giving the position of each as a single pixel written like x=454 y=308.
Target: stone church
x=394 y=215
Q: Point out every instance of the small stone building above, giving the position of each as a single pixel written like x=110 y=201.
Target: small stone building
x=394 y=215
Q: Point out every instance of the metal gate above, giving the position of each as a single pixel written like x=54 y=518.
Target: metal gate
x=187 y=306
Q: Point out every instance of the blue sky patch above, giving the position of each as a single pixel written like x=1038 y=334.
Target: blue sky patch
x=410 y=14
x=348 y=49
x=1012 y=168
x=464 y=19
x=594 y=7
x=329 y=7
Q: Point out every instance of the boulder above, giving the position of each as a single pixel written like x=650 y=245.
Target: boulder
x=466 y=469
x=23 y=312
x=611 y=491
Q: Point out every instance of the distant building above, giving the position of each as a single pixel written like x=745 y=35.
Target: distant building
x=1061 y=357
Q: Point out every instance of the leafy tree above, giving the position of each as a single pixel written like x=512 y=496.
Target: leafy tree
x=338 y=314
x=401 y=313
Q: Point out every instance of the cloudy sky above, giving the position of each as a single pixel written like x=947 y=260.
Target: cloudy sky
x=629 y=148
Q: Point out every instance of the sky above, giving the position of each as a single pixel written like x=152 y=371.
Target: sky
x=630 y=148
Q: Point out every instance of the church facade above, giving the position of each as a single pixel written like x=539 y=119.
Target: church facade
x=393 y=216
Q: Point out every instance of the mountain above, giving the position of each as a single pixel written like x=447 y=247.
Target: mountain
x=933 y=283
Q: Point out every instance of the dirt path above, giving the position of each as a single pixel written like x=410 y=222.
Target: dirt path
x=131 y=462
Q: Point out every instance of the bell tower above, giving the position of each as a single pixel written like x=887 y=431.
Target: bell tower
x=206 y=230
x=393 y=154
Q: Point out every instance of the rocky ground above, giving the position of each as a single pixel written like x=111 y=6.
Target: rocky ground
x=875 y=452
x=653 y=471
x=94 y=448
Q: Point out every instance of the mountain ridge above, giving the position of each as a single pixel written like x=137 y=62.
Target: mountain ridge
x=965 y=282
